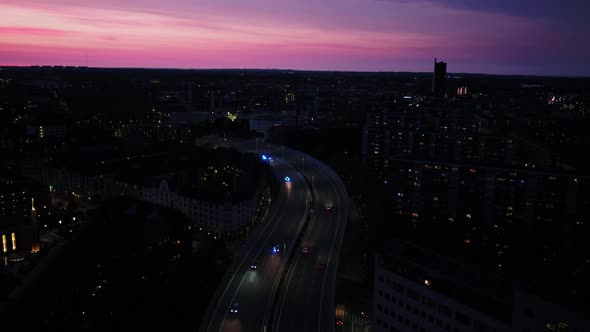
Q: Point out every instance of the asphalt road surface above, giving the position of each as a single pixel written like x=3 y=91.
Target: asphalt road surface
x=287 y=291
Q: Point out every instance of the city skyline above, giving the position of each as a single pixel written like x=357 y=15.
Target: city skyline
x=531 y=38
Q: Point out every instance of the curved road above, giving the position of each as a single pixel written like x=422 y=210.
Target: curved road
x=287 y=291
x=306 y=302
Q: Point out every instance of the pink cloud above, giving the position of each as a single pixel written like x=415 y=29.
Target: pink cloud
x=109 y=38
x=32 y=31
x=303 y=34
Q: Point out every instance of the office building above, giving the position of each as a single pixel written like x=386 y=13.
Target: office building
x=416 y=289
x=439 y=78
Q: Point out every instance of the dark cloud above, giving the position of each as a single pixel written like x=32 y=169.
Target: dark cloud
x=560 y=10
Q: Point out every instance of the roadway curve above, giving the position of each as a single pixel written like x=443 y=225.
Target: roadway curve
x=287 y=292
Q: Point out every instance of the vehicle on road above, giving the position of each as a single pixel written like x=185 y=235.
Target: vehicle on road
x=339 y=322
x=234 y=308
x=321 y=266
x=254 y=266
x=276 y=249
x=328 y=206
x=305 y=250
x=287 y=179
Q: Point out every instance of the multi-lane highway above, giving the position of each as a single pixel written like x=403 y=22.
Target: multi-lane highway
x=306 y=300
x=287 y=291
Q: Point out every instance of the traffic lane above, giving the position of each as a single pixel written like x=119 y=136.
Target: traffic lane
x=301 y=302
x=287 y=231
x=300 y=305
x=296 y=157
x=322 y=172
x=334 y=190
x=259 y=232
x=327 y=316
x=253 y=299
x=256 y=291
x=233 y=275
x=268 y=267
x=296 y=193
x=296 y=272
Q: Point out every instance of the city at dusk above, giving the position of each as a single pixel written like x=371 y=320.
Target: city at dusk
x=301 y=166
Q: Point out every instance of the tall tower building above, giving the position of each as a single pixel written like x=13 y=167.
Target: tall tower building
x=438 y=78
x=36 y=243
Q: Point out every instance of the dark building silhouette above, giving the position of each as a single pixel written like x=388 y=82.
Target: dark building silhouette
x=438 y=78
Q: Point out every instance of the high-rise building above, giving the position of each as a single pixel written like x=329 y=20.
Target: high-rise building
x=417 y=289
x=438 y=78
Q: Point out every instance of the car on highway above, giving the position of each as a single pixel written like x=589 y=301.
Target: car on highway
x=305 y=250
x=287 y=179
x=234 y=308
x=328 y=206
x=321 y=266
x=254 y=266
x=339 y=322
x=276 y=249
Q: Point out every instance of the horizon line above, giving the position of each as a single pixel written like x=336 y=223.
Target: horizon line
x=293 y=70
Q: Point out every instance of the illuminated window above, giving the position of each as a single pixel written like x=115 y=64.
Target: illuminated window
x=562 y=327
x=468 y=216
x=4 y=247
x=13 y=238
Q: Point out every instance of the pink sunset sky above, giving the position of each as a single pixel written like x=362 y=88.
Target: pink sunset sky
x=502 y=37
